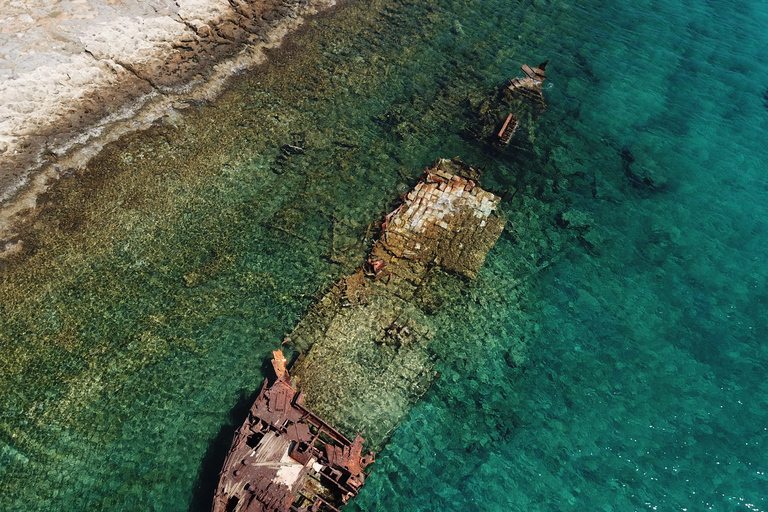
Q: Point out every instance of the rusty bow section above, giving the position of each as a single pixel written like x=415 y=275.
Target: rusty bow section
x=285 y=458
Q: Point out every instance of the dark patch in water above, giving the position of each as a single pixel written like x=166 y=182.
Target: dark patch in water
x=637 y=181
x=586 y=67
x=213 y=460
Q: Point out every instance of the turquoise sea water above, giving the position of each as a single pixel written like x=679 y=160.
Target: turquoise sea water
x=610 y=356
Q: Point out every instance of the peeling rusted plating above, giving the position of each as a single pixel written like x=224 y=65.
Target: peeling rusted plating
x=284 y=458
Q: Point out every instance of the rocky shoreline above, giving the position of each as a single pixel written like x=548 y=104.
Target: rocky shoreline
x=76 y=75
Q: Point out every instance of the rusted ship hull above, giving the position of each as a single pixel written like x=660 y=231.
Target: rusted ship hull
x=284 y=458
x=508 y=129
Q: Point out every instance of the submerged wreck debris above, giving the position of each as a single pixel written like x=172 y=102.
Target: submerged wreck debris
x=445 y=220
x=365 y=358
x=508 y=129
x=518 y=103
x=284 y=458
x=532 y=84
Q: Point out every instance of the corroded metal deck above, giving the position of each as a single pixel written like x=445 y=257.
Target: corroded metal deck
x=445 y=220
x=284 y=458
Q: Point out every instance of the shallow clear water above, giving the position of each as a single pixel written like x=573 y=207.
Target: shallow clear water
x=609 y=357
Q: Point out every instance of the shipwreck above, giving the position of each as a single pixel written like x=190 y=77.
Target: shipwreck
x=510 y=109
x=364 y=354
x=284 y=458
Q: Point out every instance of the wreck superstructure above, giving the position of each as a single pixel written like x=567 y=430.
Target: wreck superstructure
x=286 y=459
x=509 y=114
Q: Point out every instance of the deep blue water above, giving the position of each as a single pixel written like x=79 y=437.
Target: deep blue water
x=611 y=355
